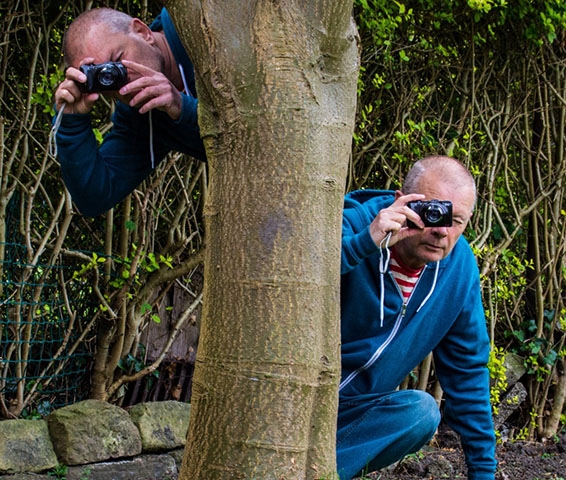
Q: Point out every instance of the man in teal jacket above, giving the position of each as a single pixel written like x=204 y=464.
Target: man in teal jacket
x=407 y=291
x=156 y=111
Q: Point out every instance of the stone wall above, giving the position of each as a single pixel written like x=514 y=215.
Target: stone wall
x=94 y=440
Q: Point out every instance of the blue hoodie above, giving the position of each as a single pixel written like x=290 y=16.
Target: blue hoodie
x=99 y=178
x=380 y=346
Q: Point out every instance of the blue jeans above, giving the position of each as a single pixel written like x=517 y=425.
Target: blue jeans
x=376 y=430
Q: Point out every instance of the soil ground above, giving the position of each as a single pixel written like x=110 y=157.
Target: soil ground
x=444 y=459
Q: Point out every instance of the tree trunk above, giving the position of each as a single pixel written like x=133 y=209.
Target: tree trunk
x=277 y=93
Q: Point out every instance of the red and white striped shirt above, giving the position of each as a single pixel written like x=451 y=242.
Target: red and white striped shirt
x=405 y=277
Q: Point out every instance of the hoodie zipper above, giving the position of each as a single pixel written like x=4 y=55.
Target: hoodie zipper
x=388 y=340
x=378 y=352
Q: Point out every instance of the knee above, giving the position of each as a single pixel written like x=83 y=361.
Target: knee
x=423 y=413
x=383 y=430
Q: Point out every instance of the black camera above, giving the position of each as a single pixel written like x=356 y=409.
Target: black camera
x=434 y=213
x=103 y=77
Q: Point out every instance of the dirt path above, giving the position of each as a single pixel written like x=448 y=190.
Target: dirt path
x=517 y=461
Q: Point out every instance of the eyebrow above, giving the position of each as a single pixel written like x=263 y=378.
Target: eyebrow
x=462 y=216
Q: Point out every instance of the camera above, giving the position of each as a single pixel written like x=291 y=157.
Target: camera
x=103 y=77
x=434 y=213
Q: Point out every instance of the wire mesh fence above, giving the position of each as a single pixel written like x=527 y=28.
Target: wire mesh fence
x=44 y=362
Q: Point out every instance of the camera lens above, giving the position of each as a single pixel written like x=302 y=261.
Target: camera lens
x=108 y=75
x=434 y=214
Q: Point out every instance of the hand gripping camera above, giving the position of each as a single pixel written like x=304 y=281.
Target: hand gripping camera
x=103 y=77
x=434 y=213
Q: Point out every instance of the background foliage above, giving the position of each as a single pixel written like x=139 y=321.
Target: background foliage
x=482 y=80
x=87 y=288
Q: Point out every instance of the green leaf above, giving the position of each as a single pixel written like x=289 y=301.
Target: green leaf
x=145 y=308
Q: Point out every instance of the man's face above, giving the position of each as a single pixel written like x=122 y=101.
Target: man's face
x=434 y=243
x=101 y=45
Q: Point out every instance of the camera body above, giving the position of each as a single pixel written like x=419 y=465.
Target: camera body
x=434 y=213
x=103 y=77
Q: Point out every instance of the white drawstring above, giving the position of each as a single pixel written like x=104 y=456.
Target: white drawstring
x=54 y=130
x=187 y=91
x=383 y=266
x=432 y=288
x=151 y=152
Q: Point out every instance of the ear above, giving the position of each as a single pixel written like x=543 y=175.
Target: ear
x=140 y=28
x=398 y=194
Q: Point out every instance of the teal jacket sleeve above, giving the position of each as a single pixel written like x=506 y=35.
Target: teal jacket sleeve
x=357 y=243
x=461 y=362
x=100 y=177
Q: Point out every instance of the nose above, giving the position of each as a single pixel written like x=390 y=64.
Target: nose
x=439 y=231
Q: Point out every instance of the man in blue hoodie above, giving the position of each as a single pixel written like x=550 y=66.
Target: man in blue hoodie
x=408 y=290
x=156 y=110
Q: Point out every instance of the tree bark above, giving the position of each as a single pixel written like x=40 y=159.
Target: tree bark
x=277 y=93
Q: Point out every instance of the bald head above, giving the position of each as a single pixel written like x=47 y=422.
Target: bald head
x=446 y=170
x=106 y=19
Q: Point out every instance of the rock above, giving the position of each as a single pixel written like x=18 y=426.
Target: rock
x=162 y=425
x=410 y=465
x=92 y=431
x=25 y=446
x=27 y=476
x=514 y=368
x=510 y=402
x=144 y=467
x=177 y=455
x=440 y=467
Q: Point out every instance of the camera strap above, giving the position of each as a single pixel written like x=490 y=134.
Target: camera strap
x=54 y=129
